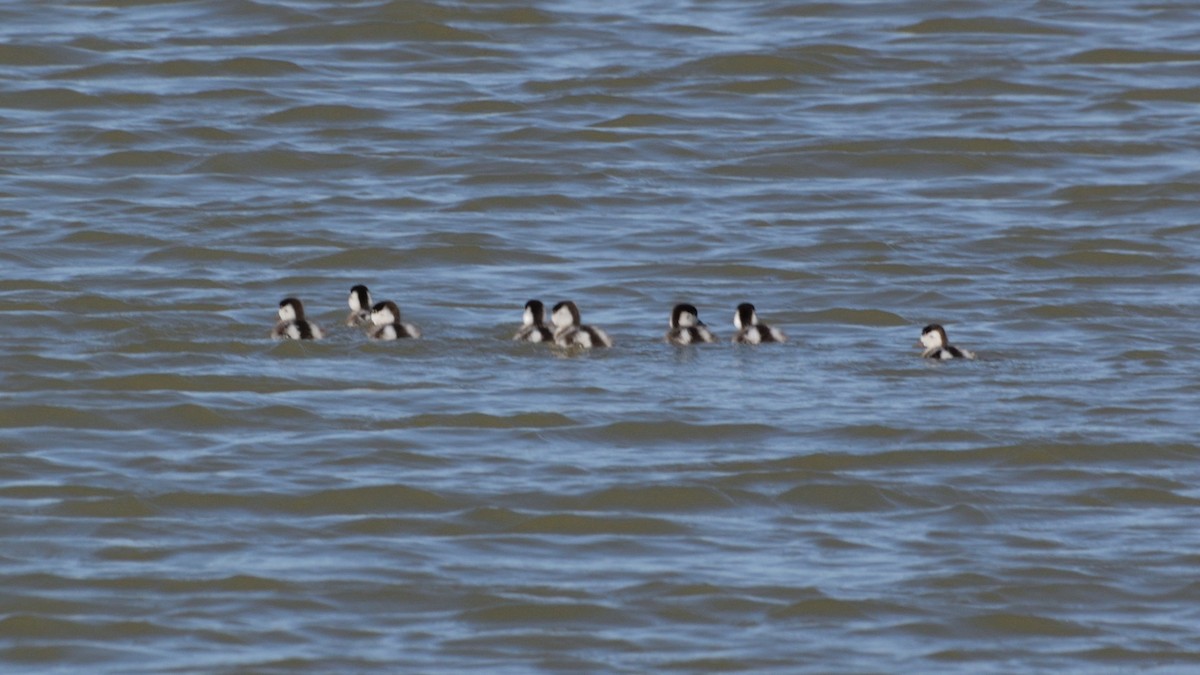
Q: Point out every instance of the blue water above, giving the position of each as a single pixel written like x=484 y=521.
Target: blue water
x=180 y=493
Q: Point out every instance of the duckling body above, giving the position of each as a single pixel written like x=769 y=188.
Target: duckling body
x=292 y=325
x=937 y=346
x=750 y=330
x=533 y=326
x=569 y=330
x=388 y=326
x=360 y=307
x=686 y=328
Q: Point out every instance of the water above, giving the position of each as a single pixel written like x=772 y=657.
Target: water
x=181 y=494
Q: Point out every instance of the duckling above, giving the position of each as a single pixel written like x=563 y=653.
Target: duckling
x=386 y=316
x=686 y=326
x=933 y=339
x=750 y=331
x=533 y=326
x=360 y=307
x=569 y=332
x=292 y=324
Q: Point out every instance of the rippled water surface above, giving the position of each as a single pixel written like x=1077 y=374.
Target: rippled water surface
x=179 y=493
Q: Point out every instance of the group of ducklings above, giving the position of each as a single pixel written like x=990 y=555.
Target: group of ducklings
x=382 y=321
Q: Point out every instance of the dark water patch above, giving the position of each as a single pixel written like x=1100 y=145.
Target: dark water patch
x=512 y=16
x=133 y=554
x=531 y=420
x=24 y=55
x=86 y=307
x=116 y=507
x=746 y=271
x=158 y=160
x=185 y=382
x=279 y=162
x=1028 y=625
x=1103 y=259
x=591 y=86
x=421 y=256
x=987 y=24
x=1137 y=659
x=199 y=255
x=1162 y=95
x=252 y=98
x=823 y=609
x=372 y=32
x=377 y=499
x=876 y=432
x=1094 y=454
x=325 y=114
x=49 y=98
x=525 y=202
x=505 y=176
x=1028 y=454
x=961 y=515
x=982 y=145
x=848 y=498
x=210 y=134
x=1116 y=56
x=39 y=492
x=640 y=120
x=558 y=614
x=398 y=527
x=635 y=433
x=769 y=85
x=993 y=87
x=487 y=107
x=34 y=627
x=878 y=165
x=196 y=417
x=107 y=43
x=492 y=518
x=34 y=416
x=959 y=581
x=370 y=499
x=716 y=664
x=1148 y=356
x=597 y=136
x=1118 y=497
x=106 y=238
x=178 y=68
x=855 y=317
x=752 y=65
x=243 y=66
x=591 y=100
x=657 y=498
x=579 y=525
x=1148 y=193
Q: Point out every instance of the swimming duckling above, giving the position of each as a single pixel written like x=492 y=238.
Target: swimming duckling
x=360 y=307
x=750 y=331
x=933 y=339
x=292 y=324
x=686 y=326
x=569 y=332
x=533 y=327
x=386 y=316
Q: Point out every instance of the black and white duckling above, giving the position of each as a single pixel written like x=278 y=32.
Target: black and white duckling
x=569 y=332
x=533 y=326
x=360 y=307
x=750 y=331
x=686 y=326
x=386 y=317
x=933 y=339
x=292 y=324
